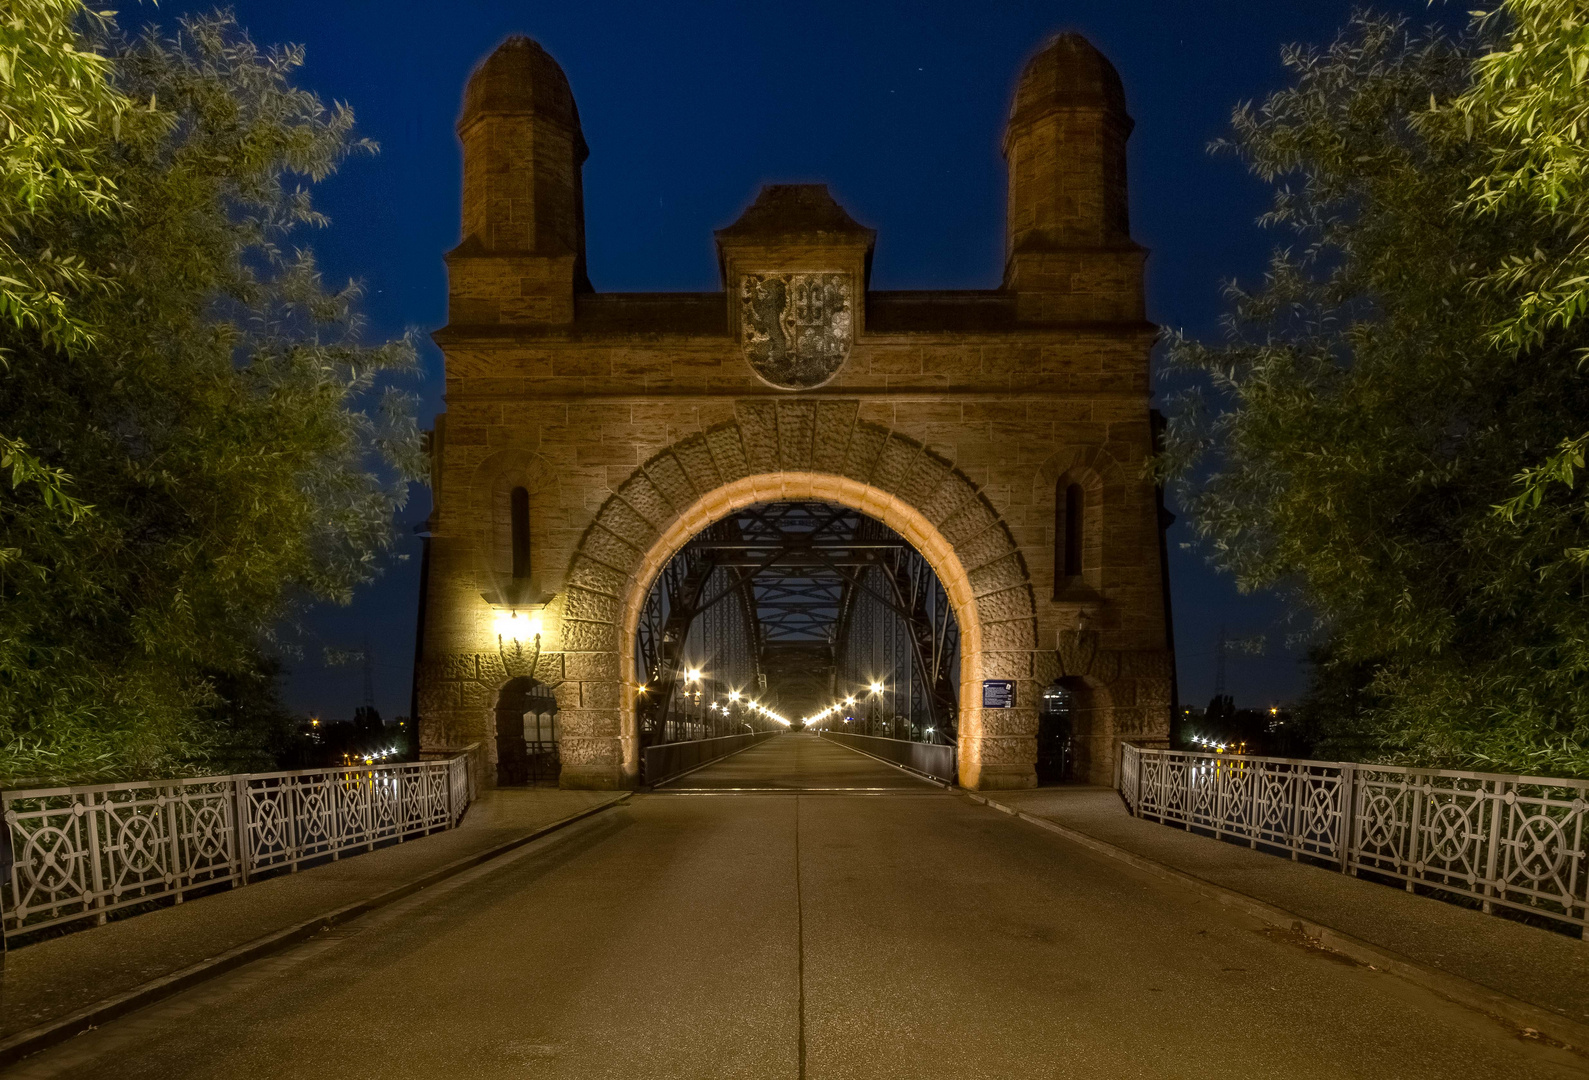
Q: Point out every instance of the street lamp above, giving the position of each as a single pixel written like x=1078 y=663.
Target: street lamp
x=518 y=626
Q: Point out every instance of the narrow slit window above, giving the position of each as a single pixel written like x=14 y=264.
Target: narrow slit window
x=519 y=514
x=1075 y=508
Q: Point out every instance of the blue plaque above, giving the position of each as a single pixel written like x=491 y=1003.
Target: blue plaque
x=998 y=693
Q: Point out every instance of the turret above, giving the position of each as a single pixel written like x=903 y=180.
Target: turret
x=522 y=257
x=1069 y=254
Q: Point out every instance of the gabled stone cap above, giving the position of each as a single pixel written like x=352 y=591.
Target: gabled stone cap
x=1068 y=72
x=797 y=217
x=796 y=213
x=520 y=78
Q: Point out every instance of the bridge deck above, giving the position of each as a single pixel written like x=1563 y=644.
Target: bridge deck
x=911 y=936
x=799 y=762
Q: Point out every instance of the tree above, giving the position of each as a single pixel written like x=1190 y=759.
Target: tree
x=1531 y=101
x=1349 y=441
x=55 y=105
x=242 y=449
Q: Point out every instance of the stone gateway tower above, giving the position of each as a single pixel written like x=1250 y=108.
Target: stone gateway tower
x=589 y=436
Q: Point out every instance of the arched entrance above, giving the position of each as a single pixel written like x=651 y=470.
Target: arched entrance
x=797 y=612
x=904 y=520
x=790 y=450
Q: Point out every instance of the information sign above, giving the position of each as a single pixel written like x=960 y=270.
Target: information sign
x=998 y=693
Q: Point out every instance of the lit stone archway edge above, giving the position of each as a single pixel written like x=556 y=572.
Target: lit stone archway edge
x=803 y=450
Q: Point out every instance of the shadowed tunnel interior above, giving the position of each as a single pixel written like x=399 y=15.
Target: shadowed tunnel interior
x=785 y=609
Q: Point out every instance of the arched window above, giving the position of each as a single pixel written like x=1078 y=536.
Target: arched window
x=1075 y=508
x=519 y=515
x=1070 y=508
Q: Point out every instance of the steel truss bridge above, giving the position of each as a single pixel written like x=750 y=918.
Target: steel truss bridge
x=784 y=608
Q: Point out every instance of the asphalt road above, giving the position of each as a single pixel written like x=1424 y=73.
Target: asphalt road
x=892 y=931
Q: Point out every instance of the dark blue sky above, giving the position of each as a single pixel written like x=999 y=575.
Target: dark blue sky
x=689 y=106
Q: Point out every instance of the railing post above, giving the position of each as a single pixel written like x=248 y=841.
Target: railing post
x=1346 y=819
x=240 y=808
x=288 y=790
x=8 y=871
x=96 y=856
x=174 y=836
x=1410 y=860
x=1492 y=856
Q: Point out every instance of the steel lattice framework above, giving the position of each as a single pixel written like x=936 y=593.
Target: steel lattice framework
x=797 y=604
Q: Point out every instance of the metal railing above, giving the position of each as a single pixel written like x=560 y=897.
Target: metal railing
x=85 y=852
x=664 y=761
x=930 y=759
x=1507 y=841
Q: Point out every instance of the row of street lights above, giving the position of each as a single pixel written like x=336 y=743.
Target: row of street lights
x=690 y=690
x=875 y=690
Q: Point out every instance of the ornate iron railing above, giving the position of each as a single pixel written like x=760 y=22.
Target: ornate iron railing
x=1507 y=841
x=86 y=852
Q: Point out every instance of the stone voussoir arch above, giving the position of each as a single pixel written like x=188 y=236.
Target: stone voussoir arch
x=1081 y=461
x=781 y=450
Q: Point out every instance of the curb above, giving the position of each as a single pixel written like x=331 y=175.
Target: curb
x=52 y=1032
x=1531 y=1018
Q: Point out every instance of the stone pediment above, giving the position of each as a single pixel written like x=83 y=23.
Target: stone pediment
x=795 y=267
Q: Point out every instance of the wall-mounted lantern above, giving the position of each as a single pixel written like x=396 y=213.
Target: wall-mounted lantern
x=518 y=627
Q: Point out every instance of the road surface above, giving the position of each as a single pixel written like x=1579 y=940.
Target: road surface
x=802 y=911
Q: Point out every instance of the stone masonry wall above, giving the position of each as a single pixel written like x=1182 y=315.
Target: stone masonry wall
x=574 y=419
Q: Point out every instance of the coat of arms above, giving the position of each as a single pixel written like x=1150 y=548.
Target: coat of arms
x=796 y=328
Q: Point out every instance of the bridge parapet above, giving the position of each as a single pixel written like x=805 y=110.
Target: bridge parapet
x=1506 y=841
x=81 y=853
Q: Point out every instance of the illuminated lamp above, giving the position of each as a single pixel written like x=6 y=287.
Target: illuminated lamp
x=518 y=626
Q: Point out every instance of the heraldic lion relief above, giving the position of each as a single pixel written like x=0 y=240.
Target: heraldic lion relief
x=796 y=327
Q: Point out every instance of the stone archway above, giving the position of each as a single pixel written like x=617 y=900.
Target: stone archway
x=783 y=450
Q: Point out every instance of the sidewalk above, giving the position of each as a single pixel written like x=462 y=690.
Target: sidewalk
x=1535 y=966
x=47 y=983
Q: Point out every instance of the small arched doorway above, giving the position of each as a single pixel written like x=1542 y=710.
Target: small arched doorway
x=527 y=735
x=1064 y=714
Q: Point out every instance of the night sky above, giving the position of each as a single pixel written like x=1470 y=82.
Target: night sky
x=689 y=107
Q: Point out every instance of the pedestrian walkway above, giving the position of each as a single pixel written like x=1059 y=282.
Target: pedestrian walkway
x=1537 y=966
x=59 y=978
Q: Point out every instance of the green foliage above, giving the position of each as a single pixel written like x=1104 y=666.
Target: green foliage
x=239 y=444
x=1350 y=439
x=55 y=103
x=1530 y=103
x=1529 y=107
